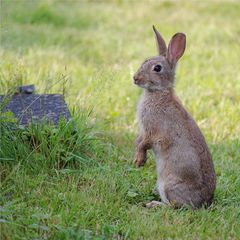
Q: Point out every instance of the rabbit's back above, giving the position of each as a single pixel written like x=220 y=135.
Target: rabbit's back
x=197 y=141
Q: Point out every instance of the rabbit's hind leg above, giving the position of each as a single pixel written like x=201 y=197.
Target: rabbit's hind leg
x=181 y=195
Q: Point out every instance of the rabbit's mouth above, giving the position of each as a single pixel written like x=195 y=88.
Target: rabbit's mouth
x=138 y=81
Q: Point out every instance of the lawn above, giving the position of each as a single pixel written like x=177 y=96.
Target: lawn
x=59 y=185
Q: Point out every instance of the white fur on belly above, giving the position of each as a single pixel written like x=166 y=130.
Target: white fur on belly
x=160 y=187
x=160 y=182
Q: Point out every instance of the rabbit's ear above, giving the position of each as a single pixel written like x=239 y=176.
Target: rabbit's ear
x=162 y=48
x=176 y=47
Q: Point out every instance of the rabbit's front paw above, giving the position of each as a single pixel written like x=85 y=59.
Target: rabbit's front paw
x=140 y=159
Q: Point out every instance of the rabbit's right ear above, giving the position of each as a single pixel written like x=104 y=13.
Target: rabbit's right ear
x=162 y=48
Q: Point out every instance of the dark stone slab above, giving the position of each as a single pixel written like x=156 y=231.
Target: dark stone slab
x=33 y=108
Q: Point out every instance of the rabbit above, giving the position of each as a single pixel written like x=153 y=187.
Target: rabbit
x=185 y=170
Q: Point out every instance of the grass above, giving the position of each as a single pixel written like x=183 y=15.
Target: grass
x=59 y=185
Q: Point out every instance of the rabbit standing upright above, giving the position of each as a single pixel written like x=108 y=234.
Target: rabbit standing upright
x=185 y=170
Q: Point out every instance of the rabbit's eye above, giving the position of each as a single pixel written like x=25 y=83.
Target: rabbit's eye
x=157 y=68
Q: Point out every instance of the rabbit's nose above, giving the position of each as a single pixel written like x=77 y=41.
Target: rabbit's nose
x=136 y=79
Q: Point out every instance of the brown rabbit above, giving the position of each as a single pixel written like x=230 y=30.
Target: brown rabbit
x=185 y=169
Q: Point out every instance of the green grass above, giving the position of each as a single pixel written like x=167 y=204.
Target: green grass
x=59 y=185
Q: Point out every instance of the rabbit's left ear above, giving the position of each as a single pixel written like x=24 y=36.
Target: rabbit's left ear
x=176 y=47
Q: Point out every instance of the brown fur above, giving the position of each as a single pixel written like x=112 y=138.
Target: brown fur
x=185 y=169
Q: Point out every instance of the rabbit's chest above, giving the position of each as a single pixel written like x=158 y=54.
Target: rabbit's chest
x=150 y=115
